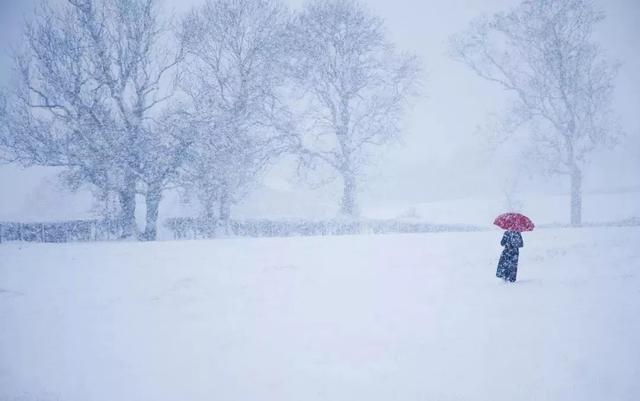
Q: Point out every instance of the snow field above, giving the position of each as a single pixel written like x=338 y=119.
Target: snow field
x=398 y=317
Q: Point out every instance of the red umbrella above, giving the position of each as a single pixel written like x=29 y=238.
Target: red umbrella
x=514 y=222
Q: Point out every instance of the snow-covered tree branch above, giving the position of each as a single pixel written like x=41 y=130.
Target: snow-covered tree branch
x=354 y=85
x=544 y=53
x=91 y=76
x=234 y=73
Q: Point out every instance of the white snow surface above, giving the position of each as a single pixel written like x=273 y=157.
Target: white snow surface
x=398 y=317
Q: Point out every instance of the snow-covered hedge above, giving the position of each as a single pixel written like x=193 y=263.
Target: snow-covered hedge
x=192 y=228
x=67 y=231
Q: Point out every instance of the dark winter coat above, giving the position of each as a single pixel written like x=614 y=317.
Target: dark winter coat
x=508 y=264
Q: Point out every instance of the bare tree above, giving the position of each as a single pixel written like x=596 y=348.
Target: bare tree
x=90 y=79
x=234 y=71
x=355 y=88
x=542 y=51
x=163 y=153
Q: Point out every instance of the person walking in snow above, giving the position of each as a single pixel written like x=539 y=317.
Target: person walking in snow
x=508 y=264
x=514 y=224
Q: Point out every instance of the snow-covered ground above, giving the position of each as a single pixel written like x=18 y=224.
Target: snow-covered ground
x=400 y=317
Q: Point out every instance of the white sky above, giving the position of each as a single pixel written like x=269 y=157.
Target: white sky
x=441 y=157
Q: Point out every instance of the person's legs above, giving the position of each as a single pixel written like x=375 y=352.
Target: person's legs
x=500 y=272
x=503 y=265
x=513 y=272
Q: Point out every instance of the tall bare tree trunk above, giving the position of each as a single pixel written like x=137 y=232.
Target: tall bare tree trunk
x=209 y=216
x=349 y=205
x=128 y=206
x=576 y=197
x=225 y=209
x=152 y=200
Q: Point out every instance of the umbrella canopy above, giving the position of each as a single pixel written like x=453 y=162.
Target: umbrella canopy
x=514 y=222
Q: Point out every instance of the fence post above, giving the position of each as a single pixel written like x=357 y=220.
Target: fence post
x=42 y=232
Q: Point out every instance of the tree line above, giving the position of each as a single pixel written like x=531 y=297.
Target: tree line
x=128 y=102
